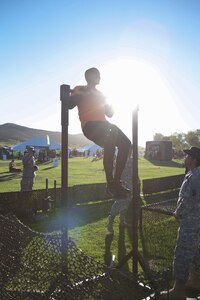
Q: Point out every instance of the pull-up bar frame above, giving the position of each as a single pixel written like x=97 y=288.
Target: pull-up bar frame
x=134 y=254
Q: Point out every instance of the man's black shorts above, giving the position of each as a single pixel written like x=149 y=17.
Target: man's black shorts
x=99 y=131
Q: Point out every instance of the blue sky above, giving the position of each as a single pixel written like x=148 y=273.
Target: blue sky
x=147 y=53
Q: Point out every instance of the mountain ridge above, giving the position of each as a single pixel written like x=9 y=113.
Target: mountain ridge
x=11 y=134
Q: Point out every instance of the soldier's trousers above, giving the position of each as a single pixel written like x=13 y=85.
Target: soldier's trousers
x=27 y=184
x=187 y=253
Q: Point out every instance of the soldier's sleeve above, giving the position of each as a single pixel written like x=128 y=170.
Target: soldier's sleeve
x=187 y=201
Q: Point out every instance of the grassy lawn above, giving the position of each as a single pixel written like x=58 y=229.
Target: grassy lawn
x=159 y=236
x=81 y=171
x=87 y=225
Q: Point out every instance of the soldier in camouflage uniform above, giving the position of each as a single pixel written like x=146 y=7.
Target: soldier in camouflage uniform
x=28 y=176
x=187 y=253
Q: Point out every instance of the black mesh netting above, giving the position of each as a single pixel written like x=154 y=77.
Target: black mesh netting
x=158 y=232
x=37 y=265
x=166 y=207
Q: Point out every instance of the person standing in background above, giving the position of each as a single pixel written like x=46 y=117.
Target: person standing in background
x=186 y=263
x=29 y=168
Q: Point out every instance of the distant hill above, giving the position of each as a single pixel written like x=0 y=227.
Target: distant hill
x=11 y=134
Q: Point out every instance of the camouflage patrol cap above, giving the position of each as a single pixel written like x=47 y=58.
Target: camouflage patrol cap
x=30 y=148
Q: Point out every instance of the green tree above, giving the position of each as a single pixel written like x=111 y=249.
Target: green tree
x=193 y=138
x=181 y=140
x=178 y=141
x=158 y=137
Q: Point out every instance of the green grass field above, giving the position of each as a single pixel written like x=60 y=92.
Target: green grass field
x=81 y=171
x=87 y=226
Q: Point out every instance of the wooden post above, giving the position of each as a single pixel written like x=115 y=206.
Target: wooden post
x=55 y=193
x=135 y=194
x=47 y=187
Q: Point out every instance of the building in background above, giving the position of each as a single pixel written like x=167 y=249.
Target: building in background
x=158 y=150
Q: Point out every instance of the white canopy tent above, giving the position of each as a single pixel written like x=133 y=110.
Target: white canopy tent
x=38 y=143
x=90 y=150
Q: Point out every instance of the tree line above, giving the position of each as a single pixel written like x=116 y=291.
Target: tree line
x=181 y=140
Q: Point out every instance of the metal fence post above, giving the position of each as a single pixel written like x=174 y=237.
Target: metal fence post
x=64 y=98
x=135 y=195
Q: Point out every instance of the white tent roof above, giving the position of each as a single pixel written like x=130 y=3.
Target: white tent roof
x=37 y=142
x=92 y=147
x=54 y=146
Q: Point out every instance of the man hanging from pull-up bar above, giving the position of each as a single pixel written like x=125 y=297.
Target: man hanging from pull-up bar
x=93 y=109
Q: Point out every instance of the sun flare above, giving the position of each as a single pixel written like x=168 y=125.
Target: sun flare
x=129 y=83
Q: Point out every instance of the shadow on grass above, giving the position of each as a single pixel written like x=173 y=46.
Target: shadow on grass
x=48 y=168
x=122 y=248
x=89 y=213
x=108 y=254
x=42 y=163
x=9 y=176
x=163 y=163
x=78 y=215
